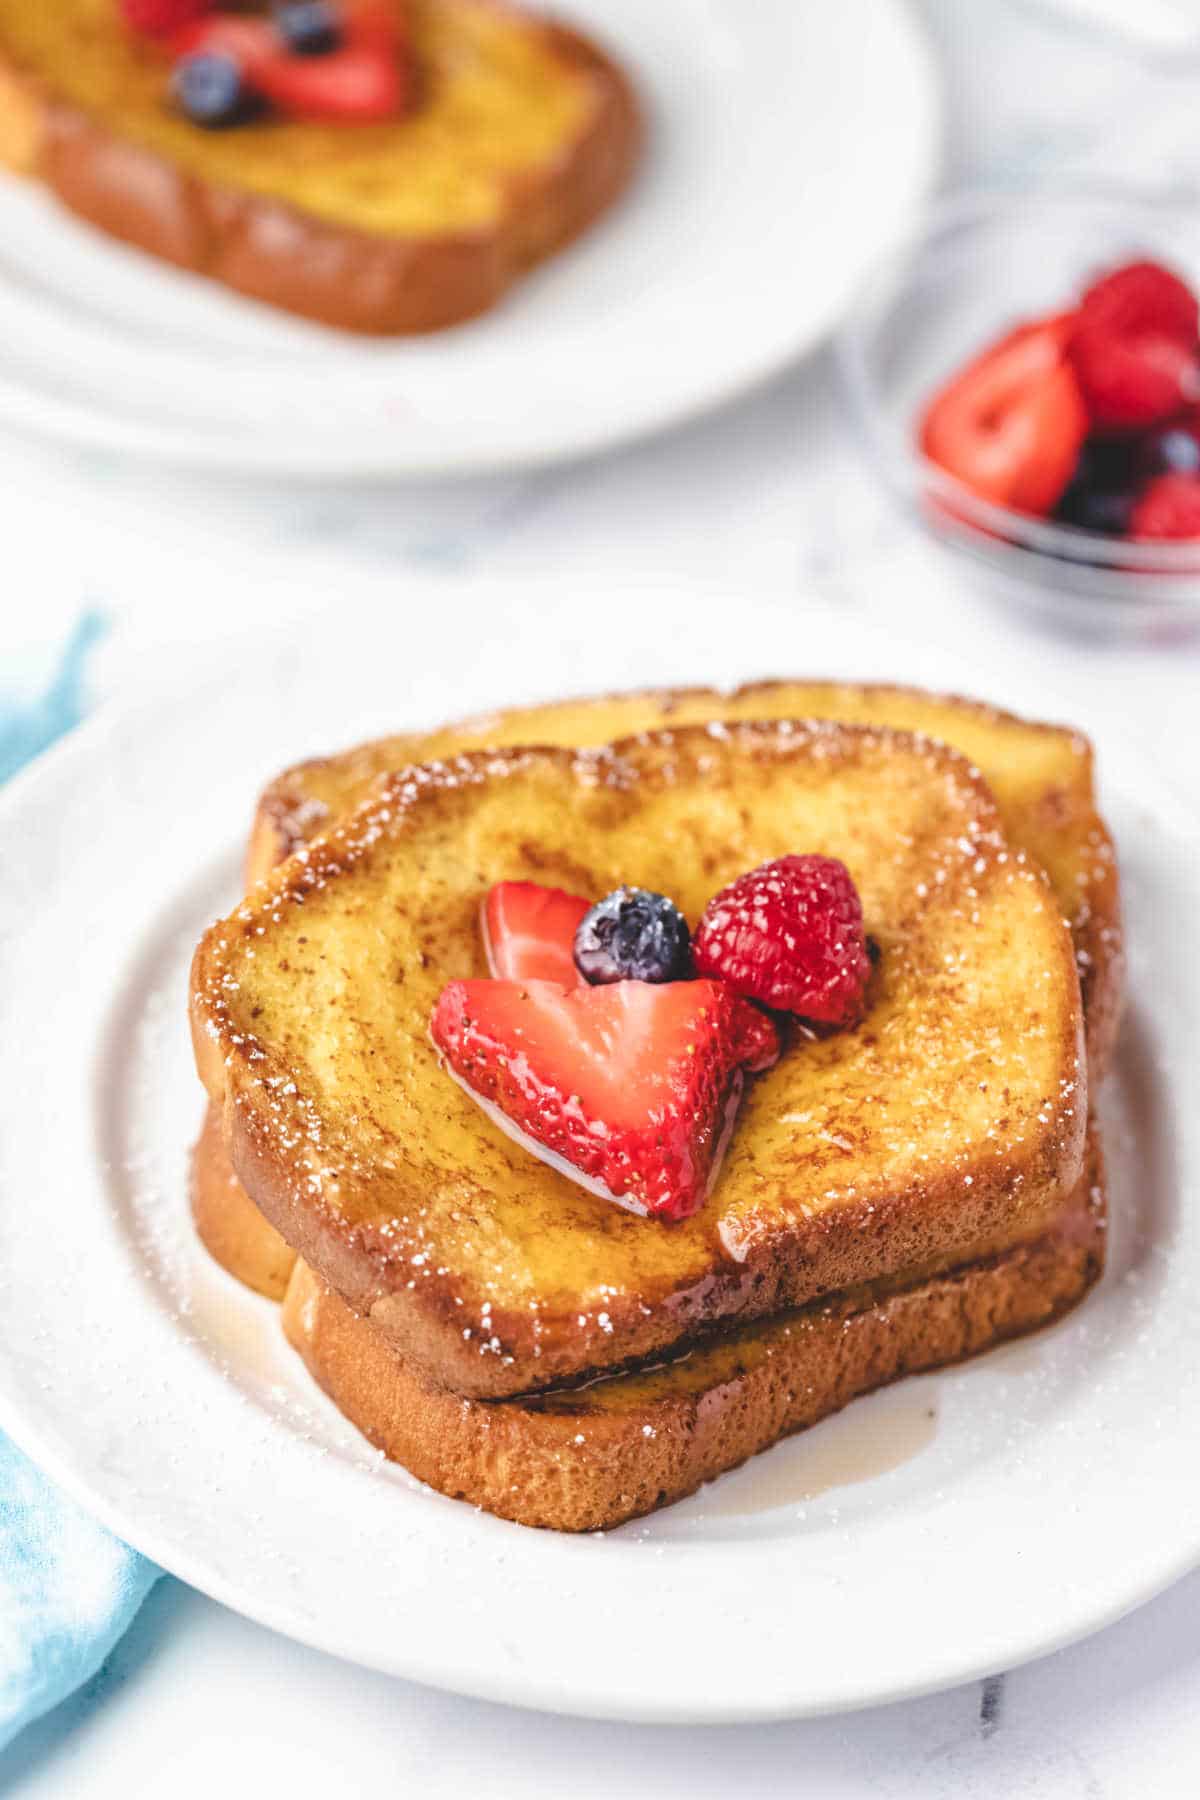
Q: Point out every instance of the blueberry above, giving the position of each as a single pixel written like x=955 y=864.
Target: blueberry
x=308 y=27
x=1106 y=463
x=209 y=88
x=1102 y=488
x=1171 y=450
x=633 y=935
x=1096 y=509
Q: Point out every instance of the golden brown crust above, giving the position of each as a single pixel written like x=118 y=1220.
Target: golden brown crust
x=1098 y=929
x=385 y=285
x=738 y=1259
x=593 y=1458
x=228 y=1223
x=1055 y=821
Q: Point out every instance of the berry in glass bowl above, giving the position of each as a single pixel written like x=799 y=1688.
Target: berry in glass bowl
x=1080 y=416
x=1020 y=436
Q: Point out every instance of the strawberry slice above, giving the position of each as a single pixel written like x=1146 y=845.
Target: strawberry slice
x=1135 y=347
x=360 y=82
x=629 y=1089
x=159 y=18
x=250 y=42
x=1010 y=425
x=529 y=932
x=364 y=79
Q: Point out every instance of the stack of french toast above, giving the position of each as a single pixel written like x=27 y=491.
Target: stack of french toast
x=569 y=1235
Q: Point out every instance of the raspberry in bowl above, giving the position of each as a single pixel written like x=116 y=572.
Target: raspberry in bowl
x=1027 y=378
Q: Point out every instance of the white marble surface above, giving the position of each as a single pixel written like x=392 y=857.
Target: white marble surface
x=770 y=496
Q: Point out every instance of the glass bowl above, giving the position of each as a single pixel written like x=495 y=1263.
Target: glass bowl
x=983 y=263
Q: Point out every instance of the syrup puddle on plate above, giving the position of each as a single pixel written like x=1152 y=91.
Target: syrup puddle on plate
x=838 y=1453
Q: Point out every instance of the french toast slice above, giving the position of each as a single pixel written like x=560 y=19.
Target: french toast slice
x=946 y=1128
x=589 y=1458
x=522 y=133
x=1041 y=776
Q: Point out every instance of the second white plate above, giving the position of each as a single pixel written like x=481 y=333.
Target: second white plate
x=788 y=146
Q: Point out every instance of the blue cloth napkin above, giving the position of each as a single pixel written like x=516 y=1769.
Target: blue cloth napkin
x=68 y=1592
x=68 y=1588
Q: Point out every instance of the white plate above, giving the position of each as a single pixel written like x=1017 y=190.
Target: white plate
x=954 y=1525
x=789 y=145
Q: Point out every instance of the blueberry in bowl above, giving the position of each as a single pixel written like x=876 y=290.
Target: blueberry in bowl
x=1100 y=494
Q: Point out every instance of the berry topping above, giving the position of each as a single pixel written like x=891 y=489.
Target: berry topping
x=1102 y=488
x=308 y=27
x=1169 y=507
x=210 y=89
x=790 y=935
x=1135 y=349
x=633 y=935
x=1011 y=424
x=630 y=1089
x=159 y=18
x=756 y=1039
x=363 y=79
x=252 y=43
x=529 y=932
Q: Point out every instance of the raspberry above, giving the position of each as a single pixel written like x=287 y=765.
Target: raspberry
x=1134 y=348
x=789 y=935
x=159 y=18
x=1169 y=507
x=756 y=1037
x=1142 y=296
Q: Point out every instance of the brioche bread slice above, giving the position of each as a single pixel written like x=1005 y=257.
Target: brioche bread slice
x=1042 y=777
x=522 y=133
x=592 y=1457
x=947 y=1127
